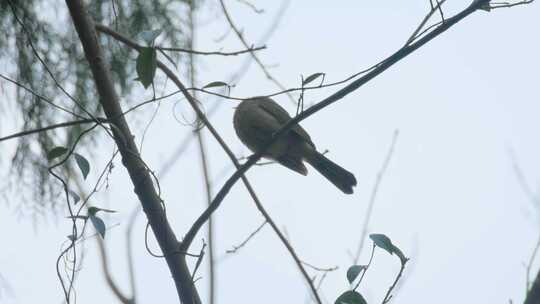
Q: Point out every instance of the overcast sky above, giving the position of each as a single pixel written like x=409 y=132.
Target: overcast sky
x=449 y=199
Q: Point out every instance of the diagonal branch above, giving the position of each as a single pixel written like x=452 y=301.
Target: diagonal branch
x=140 y=177
x=373 y=196
x=387 y=63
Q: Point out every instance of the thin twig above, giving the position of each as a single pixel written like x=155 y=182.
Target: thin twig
x=244 y=242
x=235 y=53
x=51 y=127
x=244 y=42
x=388 y=295
x=204 y=166
x=424 y=21
x=316 y=268
x=366 y=268
x=374 y=192
x=496 y=5
x=39 y=97
x=51 y=75
x=251 y=6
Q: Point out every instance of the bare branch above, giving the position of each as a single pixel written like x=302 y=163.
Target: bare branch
x=183 y=50
x=244 y=42
x=244 y=242
x=51 y=127
x=495 y=5
x=374 y=191
x=424 y=21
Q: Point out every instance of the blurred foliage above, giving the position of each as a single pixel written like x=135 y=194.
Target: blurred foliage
x=50 y=30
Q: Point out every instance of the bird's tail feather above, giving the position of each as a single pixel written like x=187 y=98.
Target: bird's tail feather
x=340 y=177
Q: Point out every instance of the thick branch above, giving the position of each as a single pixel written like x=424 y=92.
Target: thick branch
x=188 y=239
x=139 y=175
x=533 y=295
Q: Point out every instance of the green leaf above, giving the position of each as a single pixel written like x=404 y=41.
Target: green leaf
x=56 y=152
x=146 y=66
x=76 y=197
x=400 y=254
x=350 y=297
x=354 y=271
x=83 y=164
x=215 y=84
x=150 y=36
x=486 y=7
x=382 y=241
x=93 y=210
x=99 y=225
x=312 y=77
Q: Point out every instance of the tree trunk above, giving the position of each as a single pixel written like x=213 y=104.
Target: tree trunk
x=138 y=172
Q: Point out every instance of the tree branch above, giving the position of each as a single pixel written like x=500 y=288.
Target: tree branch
x=387 y=63
x=533 y=296
x=175 y=49
x=139 y=175
x=51 y=127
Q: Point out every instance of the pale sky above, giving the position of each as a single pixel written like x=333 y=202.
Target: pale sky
x=449 y=199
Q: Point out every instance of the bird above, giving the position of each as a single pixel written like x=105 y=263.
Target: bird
x=257 y=119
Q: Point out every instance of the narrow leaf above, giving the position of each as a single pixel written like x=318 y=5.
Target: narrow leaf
x=215 y=84
x=400 y=254
x=354 y=271
x=56 y=152
x=99 y=225
x=93 y=210
x=146 y=66
x=382 y=241
x=150 y=36
x=83 y=164
x=76 y=197
x=350 y=297
x=312 y=77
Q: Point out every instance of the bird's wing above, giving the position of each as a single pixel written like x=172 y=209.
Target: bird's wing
x=282 y=117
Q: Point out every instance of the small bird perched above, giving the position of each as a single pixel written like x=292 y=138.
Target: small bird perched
x=257 y=119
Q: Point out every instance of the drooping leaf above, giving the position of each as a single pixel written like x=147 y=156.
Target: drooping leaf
x=83 y=164
x=382 y=241
x=75 y=196
x=350 y=297
x=400 y=254
x=146 y=66
x=99 y=225
x=312 y=77
x=56 y=152
x=215 y=84
x=354 y=271
x=150 y=36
